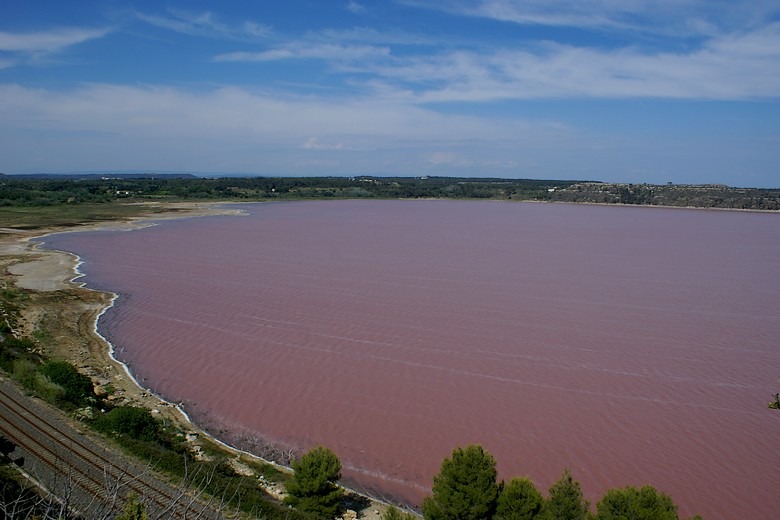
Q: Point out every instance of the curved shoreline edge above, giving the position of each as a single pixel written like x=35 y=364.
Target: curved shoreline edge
x=34 y=245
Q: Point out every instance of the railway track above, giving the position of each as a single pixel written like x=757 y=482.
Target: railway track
x=92 y=480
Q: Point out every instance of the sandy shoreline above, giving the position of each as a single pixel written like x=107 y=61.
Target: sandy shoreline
x=53 y=273
x=48 y=271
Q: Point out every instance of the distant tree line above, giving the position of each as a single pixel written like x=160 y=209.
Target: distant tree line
x=52 y=190
x=681 y=195
x=48 y=190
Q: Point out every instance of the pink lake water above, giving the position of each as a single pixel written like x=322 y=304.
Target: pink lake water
x=632 y=345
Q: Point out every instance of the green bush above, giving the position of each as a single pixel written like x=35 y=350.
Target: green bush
x=6 y=358
x=134 y=422
x=47 y=389
x=24 y=371
x=77 y=386
x=393 y=513
x=12 y=348
x=134 y=509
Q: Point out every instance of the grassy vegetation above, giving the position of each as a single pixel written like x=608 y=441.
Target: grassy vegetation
x=144 y=437
x=57 y=382
x=11 y=300
x=68 y=215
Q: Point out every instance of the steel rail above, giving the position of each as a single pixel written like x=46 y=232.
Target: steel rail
x=87 y=463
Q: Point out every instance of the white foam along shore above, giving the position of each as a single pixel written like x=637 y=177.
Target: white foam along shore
x=36 y=244
x=185 y=416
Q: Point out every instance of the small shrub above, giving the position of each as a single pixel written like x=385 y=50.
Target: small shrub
x=134 y=509
x=6 y=357
x=12 y=349
x=24 y=371
x=393 y=513
x=16 y=347
x=47 y=389
x=77 y=386
x=131 y=421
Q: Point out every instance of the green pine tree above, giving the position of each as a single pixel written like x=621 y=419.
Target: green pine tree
x=638 y=504
x=313 y=488
x=566 y=501
x=465 y=488
x=519 y=500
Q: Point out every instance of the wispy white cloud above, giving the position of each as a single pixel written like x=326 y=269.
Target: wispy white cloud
x=643 y=16
x=359 y=48
x=735 y=66
x=309 y=50
x=237 y=130
x=232 y=130
x=257 y=29
x=205 y=24
x=371 y=35
x=566 y=13
x=314 y=144
x=48 y=41
x=355 y=7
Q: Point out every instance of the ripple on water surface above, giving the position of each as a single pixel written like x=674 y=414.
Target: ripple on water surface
x=632 y=345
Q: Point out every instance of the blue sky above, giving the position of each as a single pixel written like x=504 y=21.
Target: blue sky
x=684 y=91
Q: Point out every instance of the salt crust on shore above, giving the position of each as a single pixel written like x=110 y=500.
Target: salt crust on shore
x=43 y=270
